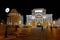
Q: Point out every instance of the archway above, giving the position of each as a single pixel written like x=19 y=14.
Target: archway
x=39 y=20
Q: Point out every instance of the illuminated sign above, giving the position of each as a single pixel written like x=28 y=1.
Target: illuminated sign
x=38 y=10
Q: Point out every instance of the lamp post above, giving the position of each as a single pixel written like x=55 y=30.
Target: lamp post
x=6 y=10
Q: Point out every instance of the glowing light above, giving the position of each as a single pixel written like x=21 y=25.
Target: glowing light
x=19 y=22
x=38 y=11
x=44 y=17
x=7 y=10
x=53 y=22
x=49 y=24
x=33 y=17
x=1 y=23
x=38 y=24
x=29 y=23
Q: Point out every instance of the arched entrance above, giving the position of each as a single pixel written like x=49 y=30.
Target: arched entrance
x=39 y=20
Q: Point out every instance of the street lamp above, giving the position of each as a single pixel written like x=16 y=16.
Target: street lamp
x=6 y=10
x=38 y=11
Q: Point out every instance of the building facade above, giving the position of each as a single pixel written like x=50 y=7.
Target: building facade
x=14 y=20
x=39 y=17
x=57 y=22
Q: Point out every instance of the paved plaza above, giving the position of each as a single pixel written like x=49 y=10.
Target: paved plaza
x=36 y=34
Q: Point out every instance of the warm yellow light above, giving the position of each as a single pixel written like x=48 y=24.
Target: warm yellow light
x=19 y=22
x=53 y=22
x=38 y=24
x=49 y=23
x=29 y=23
x=33 y=17
x=1 y=23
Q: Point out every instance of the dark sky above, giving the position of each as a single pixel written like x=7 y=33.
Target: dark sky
x=25 y=7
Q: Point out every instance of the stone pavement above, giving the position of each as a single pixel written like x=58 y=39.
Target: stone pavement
x=36 y=34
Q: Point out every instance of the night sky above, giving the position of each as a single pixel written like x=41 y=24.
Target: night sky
x=25 y=7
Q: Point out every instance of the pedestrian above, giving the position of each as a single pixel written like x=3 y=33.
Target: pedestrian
x=42 y=28
x=51 y=28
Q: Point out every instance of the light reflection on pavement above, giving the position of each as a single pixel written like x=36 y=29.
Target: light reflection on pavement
x=37 y=34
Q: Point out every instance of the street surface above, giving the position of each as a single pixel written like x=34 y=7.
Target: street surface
x=36 y=34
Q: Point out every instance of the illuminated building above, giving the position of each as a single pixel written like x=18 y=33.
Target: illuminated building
x=57 y=22
x=38 y=17
x=30 y=20
x=14 y=19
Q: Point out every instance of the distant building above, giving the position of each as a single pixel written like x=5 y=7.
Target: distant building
x=14 y=20
x=57 y=22
x=39 y=17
